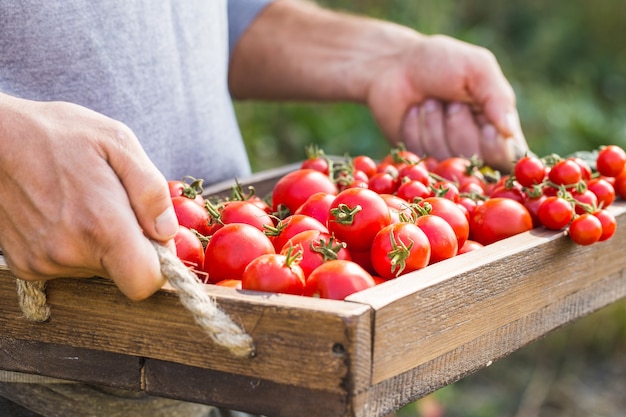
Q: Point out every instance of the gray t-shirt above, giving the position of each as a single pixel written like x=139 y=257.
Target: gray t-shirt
x=159 y=66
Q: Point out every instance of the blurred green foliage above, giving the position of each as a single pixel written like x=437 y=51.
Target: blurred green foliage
x=566 y=60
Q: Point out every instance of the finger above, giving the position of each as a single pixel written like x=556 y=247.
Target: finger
x=462 y=133
x=495 y=149
x=411 y=131
x=145 y=186
x=432 y=134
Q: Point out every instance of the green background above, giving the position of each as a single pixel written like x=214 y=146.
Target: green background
x=566 y=60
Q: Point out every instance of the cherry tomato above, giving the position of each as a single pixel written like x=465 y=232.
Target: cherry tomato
x=451 y=213
x=610 y=161
x=586 y=201
x=532 y=204
x=357 y=214
x=397 y=206
x=291 y=226
x=230 y=283
x=443 y=241
x=565 y=172
x=192 y=215
x=529 y=171
x=497 y=219
x=316 y=247
x=241 y=212
x=187 y=187
x=470 y=245
x=383 y=183
x=365 y=164
x=412 y=190
x=232 y=248
x=609 y=224
x=338 y=279
x=415 y=172
x=398 y=249
x=189 y=248
x=555 y=212
x=585 y=229
x=294 y=188
x=317 y=206
x=275 y=273
x=604 y=191
x=620 y=184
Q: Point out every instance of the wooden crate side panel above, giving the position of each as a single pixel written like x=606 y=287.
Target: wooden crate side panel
x=480 y=352
x=289 y=332
x=426 y=314
x=67 y=362
x=242 y=393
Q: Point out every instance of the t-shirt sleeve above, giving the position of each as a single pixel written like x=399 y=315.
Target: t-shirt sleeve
x=240 y=14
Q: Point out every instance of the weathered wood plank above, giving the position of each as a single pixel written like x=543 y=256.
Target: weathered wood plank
x=431 y=312
x=67 y=362
x=289 y=332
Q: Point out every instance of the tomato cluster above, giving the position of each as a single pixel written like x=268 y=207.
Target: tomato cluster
x=340 y=225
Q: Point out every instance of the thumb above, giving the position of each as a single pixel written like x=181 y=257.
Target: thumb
x=146 y=188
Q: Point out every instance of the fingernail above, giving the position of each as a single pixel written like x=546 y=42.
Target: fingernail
x=453 y=108
x=166 y=223
x=490 y=134
x=412 y=113
x=430 y=105
x=512 y=122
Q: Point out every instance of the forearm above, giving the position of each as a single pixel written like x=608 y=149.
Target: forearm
x=297 y=50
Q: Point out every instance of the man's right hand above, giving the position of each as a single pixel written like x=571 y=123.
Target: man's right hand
x=79 y=197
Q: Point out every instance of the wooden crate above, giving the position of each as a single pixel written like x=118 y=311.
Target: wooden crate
x=367 y=356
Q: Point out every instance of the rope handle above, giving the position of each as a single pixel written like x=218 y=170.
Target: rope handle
x=215 y=322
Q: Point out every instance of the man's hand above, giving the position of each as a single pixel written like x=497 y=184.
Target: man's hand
x=437 y=94
x=79 y=197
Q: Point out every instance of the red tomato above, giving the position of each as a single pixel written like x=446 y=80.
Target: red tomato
x=275 y=273
x=232 y=248
x=415 y=172
x=451 y=213
x=365 y=164
x=294 y=188
x=445 y=189
x=470 y=245
x=383 y=183
x=316 y=247
x=317 y=206
x=610 y=161
x=529 y=171
x=497 y=219
x=291 y=226
x=189 y=248
x=230 y=283
x=357 y=214
x=620 y=184
x=338 y=279
x=565 y=172
x=397 y=206
x=512 y=192
x=317 y=163
x=400 y=157
x=532 y=204
x=585 y=229
x=443 y=242
x=192 y=215
x=604 y=191
x=398 y=249
x=241 y=212
x=609 y=224
x=555 y=212
x=586 y=201
x=182 y=188
x=412 y=190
